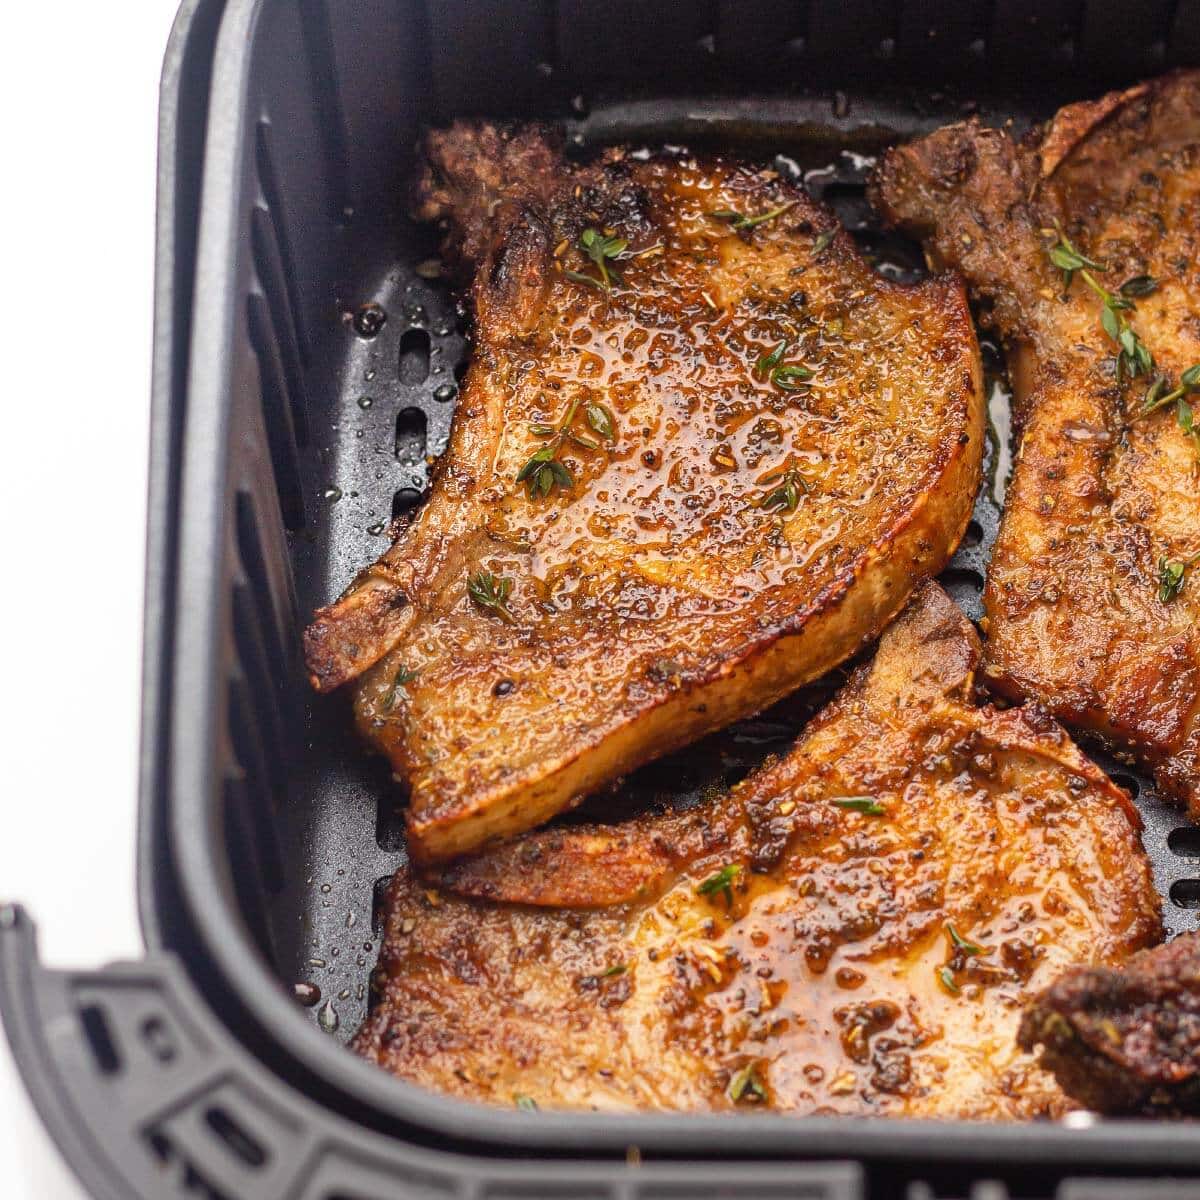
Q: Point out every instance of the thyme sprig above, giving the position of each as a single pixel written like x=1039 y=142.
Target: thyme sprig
x=1160 y=395
x=739 y=221
x=789 y=377
x=1157 y=395
x=602 y=249
x=1133 y=357
x=491 y=593
x=543 y=470
x=784 y=496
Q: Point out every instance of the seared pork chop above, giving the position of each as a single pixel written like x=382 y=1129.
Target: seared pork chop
x=1091 y=599
x=1125 y=1041
x=702 y=454
x=850 y=930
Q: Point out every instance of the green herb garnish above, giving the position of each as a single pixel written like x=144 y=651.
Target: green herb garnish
x=491 y=593
x=790 y=377
x=600 y=418
x=1139 y=285
x=746 y=1085
x=960 y=943
x=867 y=805
x=544 y=470
x=602 y=249
x=720 y=882
x=739 y=222
x=785 y=495
x=1133 y=358
x=946 y=979
x=403 y=676
x=1172 y=575
x=525 y=1103
x=822 y=243
x=787 y=376
x=617 y=969
x=1159 y=395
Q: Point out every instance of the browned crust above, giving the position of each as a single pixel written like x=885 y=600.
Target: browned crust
x=1125 y=1041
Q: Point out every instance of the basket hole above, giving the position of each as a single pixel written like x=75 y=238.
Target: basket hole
x=238 y=1141
x=414 y=357
x=1185 y=893
x=389 y=824
x=379 y=903
x=404 y=501
x=1129 y=783
x=99 y=1036
x=1184 y=841
x=158 y=1039
x=973 y=535
x=411 y=425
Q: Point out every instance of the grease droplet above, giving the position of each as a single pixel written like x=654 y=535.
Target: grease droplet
x=365 y=401
x=327 y=1017
x=332 y=494
x=306 y=993
x=369 y=320
x=445 y=392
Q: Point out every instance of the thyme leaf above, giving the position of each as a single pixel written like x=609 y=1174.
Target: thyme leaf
x=600 y=418
x=961 y=943
x=822 y=243
x=402 y=676
x=491 y=593
x=746 y=1085
x=1172 y=575
x=946 y=979
x=785 y=495
x=867 y=805
x=787 y=376
x=739 y=222
x=524 y=1103
x=1139 y=285
x=720 y=883
x=790 y=377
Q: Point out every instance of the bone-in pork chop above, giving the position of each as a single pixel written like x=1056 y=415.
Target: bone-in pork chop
x=1084 y=243
x=851 y=930
x=701 y=455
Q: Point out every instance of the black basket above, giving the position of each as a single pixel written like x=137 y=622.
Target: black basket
x=283 y=443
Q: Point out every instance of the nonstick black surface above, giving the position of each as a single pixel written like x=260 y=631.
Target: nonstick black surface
x=395 y=395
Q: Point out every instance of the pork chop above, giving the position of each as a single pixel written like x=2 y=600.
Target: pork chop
x=1083 y=243
x=1125 y=1041
x=850 y=930
x=701 y=455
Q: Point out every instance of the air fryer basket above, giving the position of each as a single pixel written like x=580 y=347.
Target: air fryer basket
x=284 y=442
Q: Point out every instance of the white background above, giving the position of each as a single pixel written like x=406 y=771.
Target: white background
x=78 y=112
